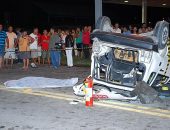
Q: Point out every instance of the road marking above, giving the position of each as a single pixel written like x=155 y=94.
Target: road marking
x=139 y=107
x=121 y=106
x=112 y=103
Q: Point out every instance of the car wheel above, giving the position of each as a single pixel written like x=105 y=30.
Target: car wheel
x=161 y=32
x=104 y=24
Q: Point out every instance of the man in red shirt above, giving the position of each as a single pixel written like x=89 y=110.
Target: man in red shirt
x=86 y=42
x=45 y=38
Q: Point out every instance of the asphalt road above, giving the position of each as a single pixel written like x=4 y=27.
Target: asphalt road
x=53 y=109
x=29 y=112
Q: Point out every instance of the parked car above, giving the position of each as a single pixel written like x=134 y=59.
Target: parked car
x=120 y=61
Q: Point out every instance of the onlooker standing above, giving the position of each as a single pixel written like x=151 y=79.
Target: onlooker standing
x=149 y=29
x=3 y=38
x=144 y=26
x=126 y=31
x=135 y=30
x=140 y=31
x=79 y=42
x=91 y=41
x=18 y=33
x=89 y=28
x=24 y=49
x=143 y=30
x=86 y=42
x=55 y=55
x=10 y=51
x=34 y=46
x=73 y=33
x=45 y=38
x=39 y=48
x=116 y=28
x=63 y=37
x=69 y=43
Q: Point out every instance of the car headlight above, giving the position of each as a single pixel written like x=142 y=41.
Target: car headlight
x=145 y=56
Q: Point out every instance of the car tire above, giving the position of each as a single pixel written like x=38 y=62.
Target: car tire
x=161 y=32
x=104 y=24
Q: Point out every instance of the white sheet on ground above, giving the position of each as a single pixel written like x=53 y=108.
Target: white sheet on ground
x=40 y=82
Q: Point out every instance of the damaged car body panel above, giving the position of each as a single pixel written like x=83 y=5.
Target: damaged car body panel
x=120 y=61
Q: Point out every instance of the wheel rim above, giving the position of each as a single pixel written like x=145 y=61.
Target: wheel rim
x=165 y=35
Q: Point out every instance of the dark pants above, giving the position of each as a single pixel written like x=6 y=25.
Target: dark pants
x=86 y=51
x=55 y=58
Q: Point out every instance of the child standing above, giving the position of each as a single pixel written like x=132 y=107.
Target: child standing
x=24 y=49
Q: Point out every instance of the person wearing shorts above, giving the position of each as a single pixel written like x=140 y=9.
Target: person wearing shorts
x=10 y=50
x=45 y=38
x=34 y=45
x=10 y=54
x=34 y=54
x=24 y=49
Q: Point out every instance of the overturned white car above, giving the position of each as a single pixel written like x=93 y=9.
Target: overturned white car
x=120 y=61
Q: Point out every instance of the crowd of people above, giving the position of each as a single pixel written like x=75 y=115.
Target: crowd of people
x=43 y=48
x=131 y=29
x=48 y=46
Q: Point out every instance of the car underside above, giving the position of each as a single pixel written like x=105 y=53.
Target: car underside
x=120 y=61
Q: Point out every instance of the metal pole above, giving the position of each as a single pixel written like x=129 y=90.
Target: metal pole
x=144 y=11
x=98 y=9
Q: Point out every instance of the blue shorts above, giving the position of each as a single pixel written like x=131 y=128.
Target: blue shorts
x=2 y=51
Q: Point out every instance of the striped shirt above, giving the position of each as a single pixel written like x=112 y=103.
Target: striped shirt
x=3 y=37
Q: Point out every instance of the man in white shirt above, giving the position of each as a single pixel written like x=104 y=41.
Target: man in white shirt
x=10 y=50
x=116 y=28
x=34 y=45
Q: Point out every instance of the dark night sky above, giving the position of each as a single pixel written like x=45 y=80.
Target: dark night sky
x=71 y=13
